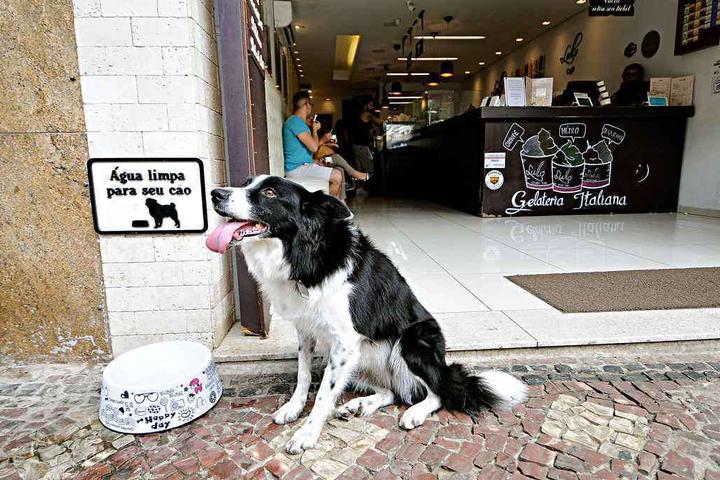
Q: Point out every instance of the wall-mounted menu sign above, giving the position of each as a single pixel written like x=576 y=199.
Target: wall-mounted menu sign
x=698 y=25
x=255 y=33
x=607 y=8
x=160 y=195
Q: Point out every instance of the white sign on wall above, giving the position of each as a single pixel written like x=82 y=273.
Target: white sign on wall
x=147 y=195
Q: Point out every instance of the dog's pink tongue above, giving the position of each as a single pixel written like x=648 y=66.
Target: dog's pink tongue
x=220 y=238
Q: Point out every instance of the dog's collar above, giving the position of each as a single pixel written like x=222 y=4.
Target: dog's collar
x=302 y=289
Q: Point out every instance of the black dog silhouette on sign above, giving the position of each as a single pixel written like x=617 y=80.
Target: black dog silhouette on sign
x=160 y=212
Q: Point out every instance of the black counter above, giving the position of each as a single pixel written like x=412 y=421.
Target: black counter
x=490 y=161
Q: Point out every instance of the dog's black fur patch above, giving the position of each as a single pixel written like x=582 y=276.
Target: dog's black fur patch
x=318 y=240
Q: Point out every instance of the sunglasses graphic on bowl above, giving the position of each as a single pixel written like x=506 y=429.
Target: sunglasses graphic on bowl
x=141 y=397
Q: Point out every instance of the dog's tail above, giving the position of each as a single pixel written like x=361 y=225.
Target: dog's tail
x=490 y=389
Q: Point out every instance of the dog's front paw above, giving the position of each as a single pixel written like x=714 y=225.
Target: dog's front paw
x=304 y=439
x=349 y=409
x=413 y=417
x=288 y=413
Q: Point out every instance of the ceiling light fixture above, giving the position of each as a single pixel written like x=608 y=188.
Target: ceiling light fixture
x=405 y=74
x=428 y=59
x=580 y=2
x=408 y=97
x=481 y=63
x=327 y=99
x=467 y=72
x=400 y=103
x=498 y=52
x=433 y=80
x=447 y=69
x=450 y=37
x=519 y=39
x=396 y=88
x=309 y=91
x=546 y=22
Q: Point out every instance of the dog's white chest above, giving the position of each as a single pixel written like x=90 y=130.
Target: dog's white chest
x=321 y=312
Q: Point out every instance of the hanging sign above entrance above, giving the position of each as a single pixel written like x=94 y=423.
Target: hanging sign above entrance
x=608 y=8
x=256 y=33
x=147 y=195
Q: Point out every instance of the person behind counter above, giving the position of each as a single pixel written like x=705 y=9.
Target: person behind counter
x=363 y=137
x=326 y=155
x=300 y=142
x=633 y=90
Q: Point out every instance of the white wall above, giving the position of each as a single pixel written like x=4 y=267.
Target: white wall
x=150 y=87
x=275 y=112
x=601 y=58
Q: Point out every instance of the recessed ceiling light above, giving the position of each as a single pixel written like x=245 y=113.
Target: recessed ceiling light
x=309 y=91
x=450 y=37
x=498 y=52
x=546 y=22
x=580 y=2
x=519 y=39
x=327 y=99
x=296 y=51
x=302 y=76
x=467 y=72
x=428 y=59
x=481 y=63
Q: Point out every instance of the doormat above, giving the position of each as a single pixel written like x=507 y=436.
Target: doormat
x=626 y=290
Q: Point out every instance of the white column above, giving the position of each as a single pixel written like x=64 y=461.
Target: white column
x=150 y=86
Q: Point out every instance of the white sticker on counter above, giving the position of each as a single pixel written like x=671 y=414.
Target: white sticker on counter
x=147 y=195
x=494 y=159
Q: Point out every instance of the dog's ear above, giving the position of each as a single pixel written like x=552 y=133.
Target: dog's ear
x=329 y=205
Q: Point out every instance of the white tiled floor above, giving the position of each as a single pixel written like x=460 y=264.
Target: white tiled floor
x=456 y=265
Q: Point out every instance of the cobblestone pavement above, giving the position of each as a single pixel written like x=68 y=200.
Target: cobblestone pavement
x=640 y=420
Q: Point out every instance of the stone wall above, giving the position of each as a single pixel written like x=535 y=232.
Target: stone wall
x=51 y=296
x=150 y=86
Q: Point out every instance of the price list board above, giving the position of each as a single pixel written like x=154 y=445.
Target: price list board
x=698 y=25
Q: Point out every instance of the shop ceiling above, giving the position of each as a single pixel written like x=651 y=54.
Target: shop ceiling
x=318 y=23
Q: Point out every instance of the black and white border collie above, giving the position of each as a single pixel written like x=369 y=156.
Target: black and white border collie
x=349 y=303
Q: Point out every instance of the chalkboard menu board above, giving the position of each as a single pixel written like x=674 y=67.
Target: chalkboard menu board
x=698 y=25
x=256 y=33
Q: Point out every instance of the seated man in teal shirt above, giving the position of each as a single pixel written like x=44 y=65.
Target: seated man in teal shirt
x=299 y=144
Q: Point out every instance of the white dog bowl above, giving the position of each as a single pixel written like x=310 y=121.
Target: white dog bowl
x=158 y=387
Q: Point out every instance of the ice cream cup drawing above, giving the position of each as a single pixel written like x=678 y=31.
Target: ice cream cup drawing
x=567 y=169
x=567 y=178
x=598 y=166
x=537 y=171
x=597 y=175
